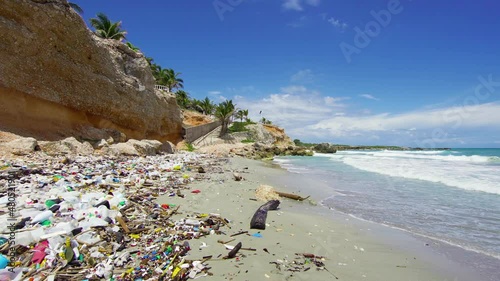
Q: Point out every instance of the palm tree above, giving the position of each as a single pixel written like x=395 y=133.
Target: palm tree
x=75 y=7
x=245 y=115
x=223 y=112
x=239 y=114
x=155 y=68
x=265 y=121
x=104 y=28
x=168 y=77
x=182 y=98
x=194 y=104
x=207 y=106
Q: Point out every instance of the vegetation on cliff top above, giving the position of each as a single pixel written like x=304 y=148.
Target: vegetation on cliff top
x=104 y=28
x=224 y=111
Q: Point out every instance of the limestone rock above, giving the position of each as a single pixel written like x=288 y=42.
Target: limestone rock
x=325 y=148
x=265 y=134
x=21 y=146
x=139 y=148
x=123 y=148
x=57 y=79
x=166 y=147
x=258 y=133
x=66 y=146
x=143 y=147
x=102 y=143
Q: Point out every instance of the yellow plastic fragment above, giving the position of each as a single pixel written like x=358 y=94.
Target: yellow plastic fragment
x=128 y=272
x=135 y=236
x=176 y=271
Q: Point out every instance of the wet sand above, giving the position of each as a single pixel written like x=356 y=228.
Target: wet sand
x=352 y=249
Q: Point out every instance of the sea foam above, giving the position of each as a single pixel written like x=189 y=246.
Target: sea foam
x=477 y=173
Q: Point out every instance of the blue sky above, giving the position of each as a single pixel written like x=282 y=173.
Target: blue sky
x=414 y=73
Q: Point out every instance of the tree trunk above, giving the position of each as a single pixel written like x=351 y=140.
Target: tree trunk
x=223 y=129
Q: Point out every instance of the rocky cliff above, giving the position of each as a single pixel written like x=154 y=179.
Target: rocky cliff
x=57 y=79
x=264 y=134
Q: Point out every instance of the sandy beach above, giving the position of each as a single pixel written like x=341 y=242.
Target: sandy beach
x=352 y=250
x=301 y=241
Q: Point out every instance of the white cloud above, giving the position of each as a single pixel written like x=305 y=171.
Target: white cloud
x=310 y=115
x=294 y=107
x=297 y=5
x=370 y=97
x=331 y=101
x=337 y=23
x=303 y=76
x=437 y=122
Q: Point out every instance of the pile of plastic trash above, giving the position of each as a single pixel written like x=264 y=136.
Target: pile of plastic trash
x=94 y=218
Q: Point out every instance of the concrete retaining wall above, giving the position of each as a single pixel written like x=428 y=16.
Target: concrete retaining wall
x=193 y=133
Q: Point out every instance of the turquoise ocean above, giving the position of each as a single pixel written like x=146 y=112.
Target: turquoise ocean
x=451 y=196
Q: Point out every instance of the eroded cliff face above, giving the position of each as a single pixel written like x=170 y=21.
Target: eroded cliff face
x=57 y=79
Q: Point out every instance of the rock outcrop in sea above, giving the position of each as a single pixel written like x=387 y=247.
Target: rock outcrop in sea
x=59 y=80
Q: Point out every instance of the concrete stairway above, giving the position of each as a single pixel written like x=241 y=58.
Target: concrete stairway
x=213 y=138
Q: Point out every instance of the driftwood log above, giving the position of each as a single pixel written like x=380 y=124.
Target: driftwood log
x=259 y=218
x=291 y=196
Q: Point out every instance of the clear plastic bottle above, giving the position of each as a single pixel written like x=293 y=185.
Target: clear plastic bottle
x=45 y=215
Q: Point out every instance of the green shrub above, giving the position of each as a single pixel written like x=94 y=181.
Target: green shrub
x=239 y=127
x=189 y=147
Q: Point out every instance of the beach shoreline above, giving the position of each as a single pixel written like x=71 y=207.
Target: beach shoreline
x=302 y=240
x=353 y=249
x=353 y=192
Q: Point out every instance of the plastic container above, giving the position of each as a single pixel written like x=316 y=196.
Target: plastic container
x=193 y=222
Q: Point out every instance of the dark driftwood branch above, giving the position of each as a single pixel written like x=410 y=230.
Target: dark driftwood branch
x=259 y=218
x=239 y=233
x=234 y=251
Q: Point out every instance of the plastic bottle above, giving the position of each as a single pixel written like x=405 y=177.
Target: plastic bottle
x=42 y=216
x=108 y=179
x=102 y=211
x=192 y=222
